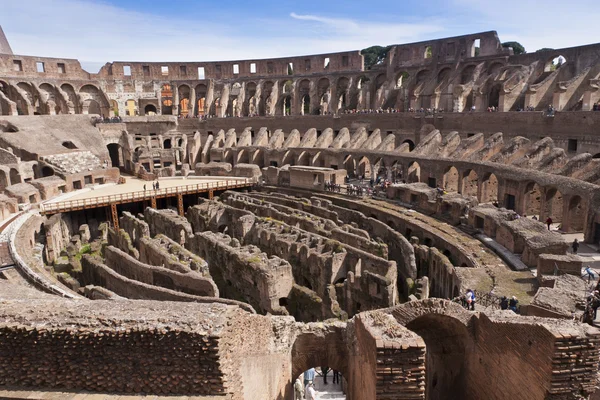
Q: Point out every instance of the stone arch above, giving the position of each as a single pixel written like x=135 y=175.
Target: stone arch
x=131 y=107
x=93 y=100
x=114 y=152
x=489 y=188
x=443 y=75
x=350 y=165
x=305 y=110
x=451 y=179
x=364 y=168
x=411 y=144
x=166 y=99
x=47 y=171
x=15 y=176
x=303 y=159
x=343 y=85
x=266 y=89
x=532 y=200
x=150 y=109
x=470 y=181
x=185 y=103
x=396 y=171
x=243 y=157
x=72 y=100
x=467 y=74
x=414 y=172
x=576 y=215
x=401 y=79
x=554 y=62
x=494 y=68
x=553 y=204
x=494 y=95
x=200 y=101
x=288 y=158
x=421 y=76
x=320 y=349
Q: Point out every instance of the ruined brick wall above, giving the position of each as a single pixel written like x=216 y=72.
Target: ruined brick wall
x=162 y=251
x=168 y=223
x=135 y=227
x=129 y=360
x=191 y=282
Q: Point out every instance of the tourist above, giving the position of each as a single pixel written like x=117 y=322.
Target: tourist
x=512 y=304
x=298 y=390
x=549 y=222
x=153 y=186
x=589 y=273
x=309 y=376
x=470 y=297
x=144 y=187
x=157 y=188
x=336 y=377
x=575 y=246
x=535 y=218
x=503 y=303
x=311 y=393
x=325 y=371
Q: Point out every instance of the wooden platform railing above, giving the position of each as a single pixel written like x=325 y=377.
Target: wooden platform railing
x=103 y=201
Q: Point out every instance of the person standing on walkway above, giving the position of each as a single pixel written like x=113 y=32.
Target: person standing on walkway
x=157 y=188
x=512 y=304
x=153 y=186
x=575 y=246
x=298 y=390
x=549 y=222
x=336 y=377
x=309 y=376
x=325 y=371
x=144 y=187
x=311 y=393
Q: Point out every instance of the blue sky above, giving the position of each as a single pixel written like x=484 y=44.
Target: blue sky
x=96 y=32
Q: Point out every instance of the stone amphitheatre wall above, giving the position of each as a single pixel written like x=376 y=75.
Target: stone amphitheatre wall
x=191 y=282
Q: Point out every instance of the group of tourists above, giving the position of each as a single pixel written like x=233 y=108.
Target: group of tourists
x=333 y=187
x=509 y=304
x=307 y=390
x=108 y=120
x=155 y=186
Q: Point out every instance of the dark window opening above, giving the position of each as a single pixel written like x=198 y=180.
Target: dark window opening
x=572 y=145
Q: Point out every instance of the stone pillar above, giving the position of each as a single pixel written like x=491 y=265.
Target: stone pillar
x=193 y=102
x=175 y=100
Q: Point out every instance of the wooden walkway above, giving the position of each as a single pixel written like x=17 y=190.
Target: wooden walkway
x=145 y=195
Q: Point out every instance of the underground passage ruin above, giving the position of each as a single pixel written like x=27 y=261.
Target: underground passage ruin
x=255 y=260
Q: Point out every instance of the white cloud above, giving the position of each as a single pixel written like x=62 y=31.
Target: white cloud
x=96 y=33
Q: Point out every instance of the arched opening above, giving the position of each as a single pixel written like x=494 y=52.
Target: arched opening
x=469 y=183
x=72 y=101
x=451 y=179
x=533 y=200
x=553 y=205
x=15 y=176
x=130 y=108
x=287 y=106
x=92 y=107
x=401 y=79
x=494 y=68
x=443 y=75
x=489 y=189
x=411 y=144
x=167 y=144
x=396 y=171
x=364 y=168
x=306 y=105
x=69 y=145
x=303 y=159
x=113 y=152
x=555 y=63
x=414 y=172
x=596 y=156
x=320 y=352
x=114 y=107
x=184 y=100
x=150 y=109
x=166 y=99
x=47 y=171
x=494 y=96
x=466 y=75
x=576 y=216
x=350 y=166
x=243 y=157
x=446 y=339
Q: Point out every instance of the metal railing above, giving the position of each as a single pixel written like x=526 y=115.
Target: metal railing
x=100 y=201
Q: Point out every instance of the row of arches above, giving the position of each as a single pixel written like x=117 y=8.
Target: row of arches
x=24 y=98
x=528 y=198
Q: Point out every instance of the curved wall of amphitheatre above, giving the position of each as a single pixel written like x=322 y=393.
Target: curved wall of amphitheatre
x=446 y=74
